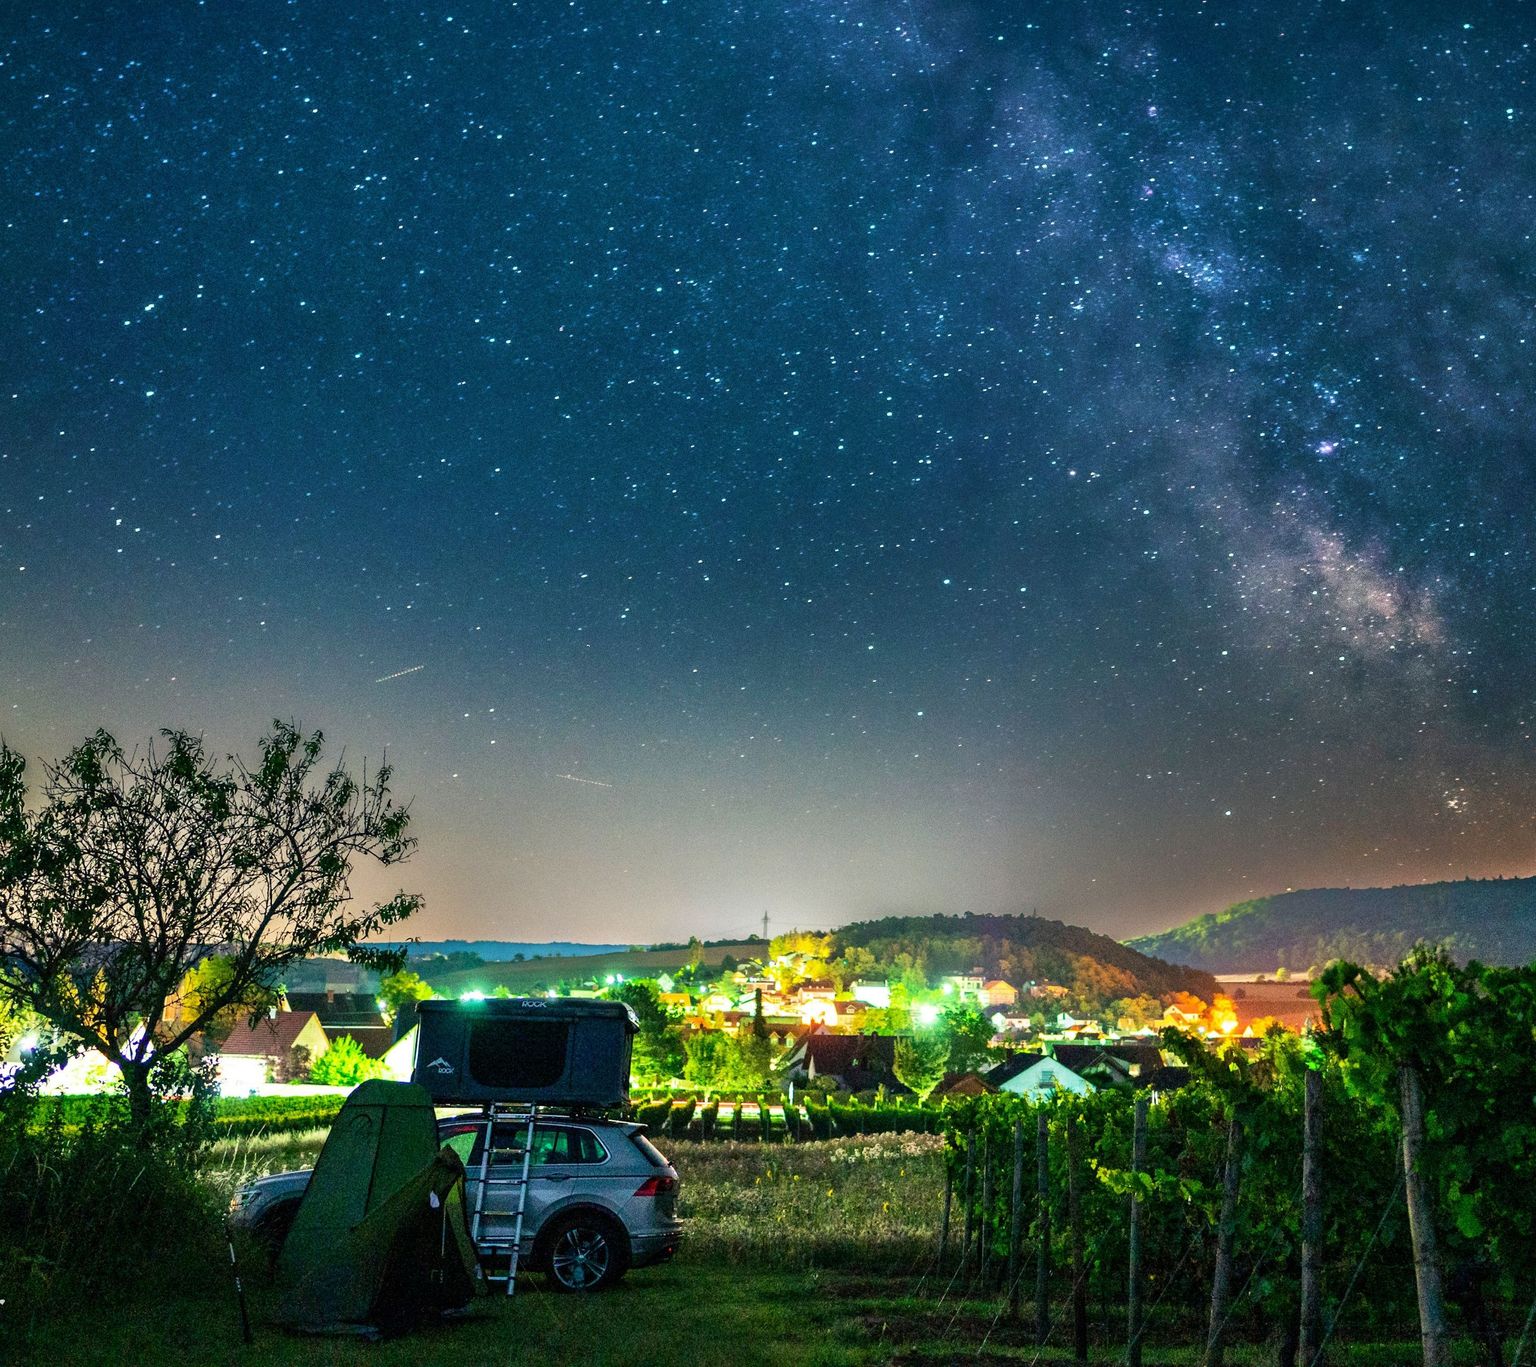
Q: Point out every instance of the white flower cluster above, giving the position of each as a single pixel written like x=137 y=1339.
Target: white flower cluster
x=879 y=1148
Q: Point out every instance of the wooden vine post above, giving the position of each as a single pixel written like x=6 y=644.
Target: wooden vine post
x=1016 y=1219
x=1043 y=1225
x=1079 y=1260
x=1426 y=1264
x=1226 y=1229
x=969 y=1191
x=949 y=1200
x=1312 y=1221
x=983 y=1222
x=1133 y=1276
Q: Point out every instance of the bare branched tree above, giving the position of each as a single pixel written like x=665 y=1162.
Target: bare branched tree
x=132 y=868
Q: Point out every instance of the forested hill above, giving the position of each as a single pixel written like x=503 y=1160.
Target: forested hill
x=1018 y=949
x=1492 y=920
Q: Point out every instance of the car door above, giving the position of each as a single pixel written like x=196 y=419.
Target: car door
x=575 y=1166
x=506 y=1172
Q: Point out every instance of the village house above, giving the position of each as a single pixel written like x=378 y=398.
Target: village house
x=856 y=1063
x=1036 y=1076
x=279 y=1047
x=998 y=993
x=962 y=1084
x=347 y=1013
x=877 y=994
x=963 y=987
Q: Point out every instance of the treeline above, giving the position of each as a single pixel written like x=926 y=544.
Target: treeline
x=1019 y=949
x=1490 y=920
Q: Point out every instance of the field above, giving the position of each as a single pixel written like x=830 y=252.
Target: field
x=822 y=1254
x=768 y=1227
x=632 y=963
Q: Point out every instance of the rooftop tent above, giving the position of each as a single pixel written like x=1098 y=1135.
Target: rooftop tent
x=541 y=1051
x=380 y=1238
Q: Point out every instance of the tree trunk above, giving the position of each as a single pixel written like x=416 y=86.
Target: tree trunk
x=1226 y=1229
x=1079 y=1259
x=1312 y=1222
x=141 y=1102
x=1133 y=1278
x=1043 y=1225
x=1016 y=1219
x=1426 y=1266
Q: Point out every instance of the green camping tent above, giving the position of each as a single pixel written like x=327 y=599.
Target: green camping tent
x=380 y=1240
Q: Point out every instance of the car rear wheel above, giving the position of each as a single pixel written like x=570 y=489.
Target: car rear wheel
x=585 y=1253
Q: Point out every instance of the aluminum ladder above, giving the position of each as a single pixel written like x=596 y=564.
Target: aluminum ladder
x=494 y=1116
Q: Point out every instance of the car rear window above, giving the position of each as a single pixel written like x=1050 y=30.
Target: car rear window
x=551 y=1144
x=652 y=1154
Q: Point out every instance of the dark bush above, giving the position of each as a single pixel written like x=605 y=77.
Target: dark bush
x=97 y=1208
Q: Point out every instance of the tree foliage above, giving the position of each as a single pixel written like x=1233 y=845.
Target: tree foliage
x=1095 y=970
x=1491 y=919
x=134 y=867
x=921 y=1062
x=966 y=1034
x=401 y=991
x=1467 y=1031
x=344 y=1064
x=658 y=1053
x=208 y=982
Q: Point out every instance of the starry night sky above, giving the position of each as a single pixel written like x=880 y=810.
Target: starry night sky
x=828 y=457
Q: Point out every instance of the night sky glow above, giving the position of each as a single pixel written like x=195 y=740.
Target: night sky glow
x=827 y=457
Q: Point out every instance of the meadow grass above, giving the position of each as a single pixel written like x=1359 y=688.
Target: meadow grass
x=866 y=1201
x=820 y=1254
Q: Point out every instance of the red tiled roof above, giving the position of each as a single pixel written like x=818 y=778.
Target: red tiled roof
x=270 y=1037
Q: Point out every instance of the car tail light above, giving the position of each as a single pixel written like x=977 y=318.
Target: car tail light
x=656 y=1186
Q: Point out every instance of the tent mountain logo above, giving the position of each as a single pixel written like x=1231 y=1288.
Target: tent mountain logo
x=440 y=1065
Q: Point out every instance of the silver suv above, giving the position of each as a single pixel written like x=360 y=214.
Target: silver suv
x=601 y=1199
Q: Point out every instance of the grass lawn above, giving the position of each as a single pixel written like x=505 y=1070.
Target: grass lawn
x=694 y=1311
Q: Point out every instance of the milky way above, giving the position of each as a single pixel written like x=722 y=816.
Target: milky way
x=891 y=456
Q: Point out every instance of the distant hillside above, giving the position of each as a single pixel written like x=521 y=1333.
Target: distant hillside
x=534 y=974
x=1018 y=949
x=1493 y=920
x=494 y=951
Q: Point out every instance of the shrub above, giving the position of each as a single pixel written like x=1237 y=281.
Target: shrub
x=344 y=1064
x=819 y=1118
x=679 y=1118
x=99 y=1205
x=653 y=1115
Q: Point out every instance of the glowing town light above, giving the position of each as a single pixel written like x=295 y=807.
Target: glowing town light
x=609 y=980
x=925 y=1013
x=473 y=995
